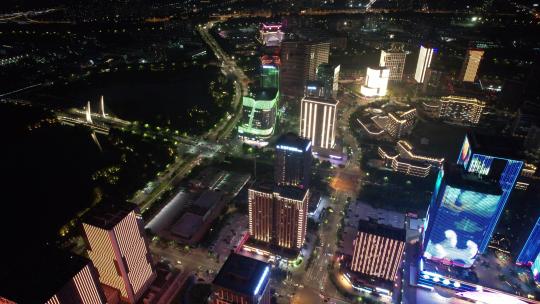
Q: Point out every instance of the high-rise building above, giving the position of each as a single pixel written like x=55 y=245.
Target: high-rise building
x=118 y=248
x=493 y=158
x=378 y=250
x=394 y=59
x=530 y=253
x=424 y=62
x=318 y=121
x=328 y=75
x=55 y=277
x=242 y=279
x=471 y=65
x=463 y=207
x=292 y=165
x=300 y=60
x=458 y=109
x=376 y=84
x=270 y=34
x=278 y=215
x=270 y=76
x=259 y=110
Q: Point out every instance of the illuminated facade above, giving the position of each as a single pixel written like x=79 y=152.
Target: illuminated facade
x=269 y=76
x=471 y=65
x=394 y=59
x=292 y=166
x=117 y=247
x=378 y=250
x=318 y=121
x=376 y=84
x=83 y=288
x=409 y=163
x=271 y=34
x=462 y=209
x=424 y=62
x=530 y=254
x=259 y=111
x=328 y=75
x=495 y=159
x=278 y=215
x=462 y=110
x=399 y=125
x=243 y=280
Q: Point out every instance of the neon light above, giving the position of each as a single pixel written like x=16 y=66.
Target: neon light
x=292 y=149
x=336 y=157
x=311 y=88
x=446 y=282
x=269 y=67
x=308 y=146
x=457 y=284
x=261 y=280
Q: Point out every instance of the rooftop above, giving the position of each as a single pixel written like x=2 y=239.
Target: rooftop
x=293 y=140
x=457 y=177
x=243 y=275
x=107 y=215
x=187 y=225
x=207 y=199
x=291 y=192
x=496 y=146
x=264 y=93
x=372 y=226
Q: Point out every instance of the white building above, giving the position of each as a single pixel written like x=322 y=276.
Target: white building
x=318 y=121
x=376 y=84
x=424 y=62
x=394 y=59
x=463 y=110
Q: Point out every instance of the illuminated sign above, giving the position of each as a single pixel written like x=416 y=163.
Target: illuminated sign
x=261 y=280
x=287 y=148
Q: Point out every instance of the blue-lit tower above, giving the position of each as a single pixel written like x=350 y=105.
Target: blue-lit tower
x=493 y=158
x=461 y=210
x=293 y=161
x=530 y=254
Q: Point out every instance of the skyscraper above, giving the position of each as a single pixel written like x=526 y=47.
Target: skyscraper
x=259 y=111
x=300 y=60
x=394 y=59
x=54 y=277
x=242 y=279
x=292 y=165
x=269 y=76
x=378 y=250
x=376 y=84
x=462 y=209
x=117 y=247
x=496 y=159
x=424 y=62
x=530 y=253
x=278 y=215
x=328 y=75
x=318 y=121
x=471 y=65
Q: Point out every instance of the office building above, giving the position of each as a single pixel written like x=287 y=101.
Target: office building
x=118 y=248
x=378 y=251
x=242 y=279
x=394 y=59
x=493 y=158
x=376 y=84
x=424 y=62
x=269 y=76
x=530 y=253
x=54 y=277
x=461 y=110
x=315 y=88
x=400 y=124
x=300 y=60
x=270 y=34
x=329 y=76
x=463 y=207
x=293 y=161
x=259 y=111
x=278 y=215
x=471 y=64
x=318 y=121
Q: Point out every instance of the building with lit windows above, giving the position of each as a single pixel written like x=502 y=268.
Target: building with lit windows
x=118 y=248
x=259 y=110
x=269 y=76
x=530 y=253
x=299 y=63
x=376 y=84
x=318 y=121
x=270 y=34
x=400 y=124
x=424 y=62
x=377 y=256
x=471 y=64
x=328 y=75
x=292 y=166
x=407 y=162
x=278 y=215
x=242 y=279
x=55 y=277
x=394 y=59
x=462 y=110
x=463 y=207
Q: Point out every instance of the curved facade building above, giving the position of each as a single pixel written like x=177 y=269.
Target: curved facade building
x=259 y=114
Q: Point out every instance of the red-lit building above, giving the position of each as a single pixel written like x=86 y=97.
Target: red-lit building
x=118 y=248
x=278 y=215
x=242 y=280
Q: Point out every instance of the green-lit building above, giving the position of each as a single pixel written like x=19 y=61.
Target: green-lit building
x=269 y=76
